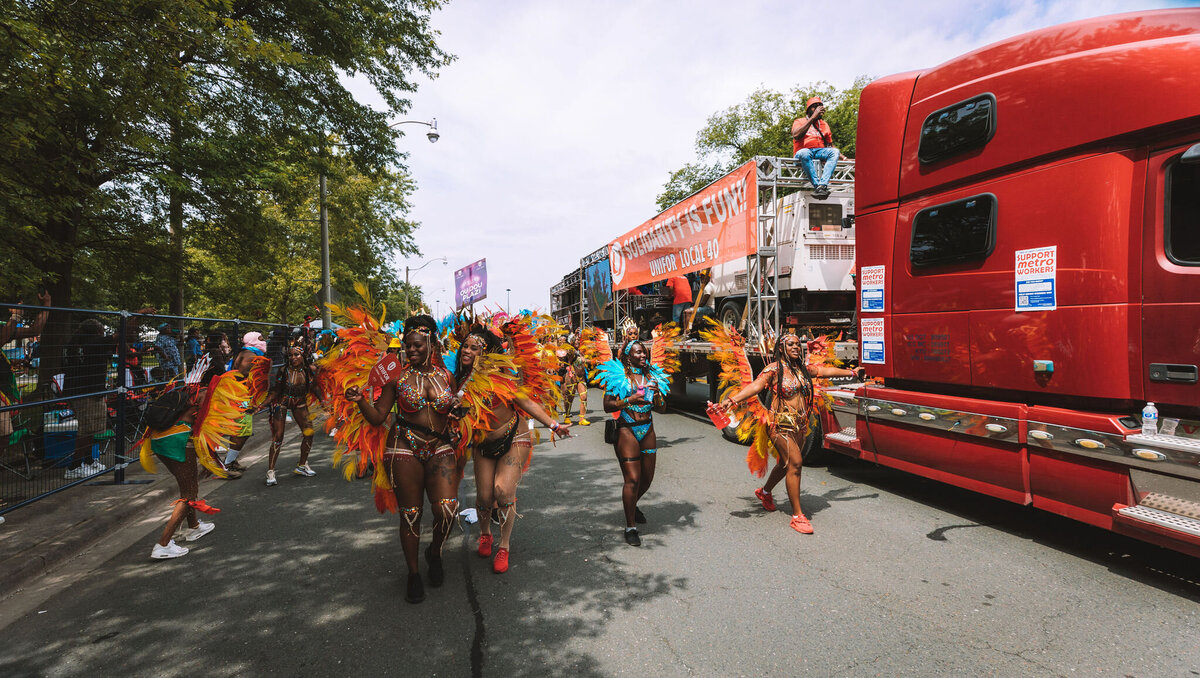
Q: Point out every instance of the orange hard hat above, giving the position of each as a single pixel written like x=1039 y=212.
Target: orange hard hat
x=813 y=100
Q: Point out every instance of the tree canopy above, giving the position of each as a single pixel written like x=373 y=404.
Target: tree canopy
x=159 y=146
x=761 y=125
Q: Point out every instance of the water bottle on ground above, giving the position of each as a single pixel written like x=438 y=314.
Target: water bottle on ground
x=1149 y=420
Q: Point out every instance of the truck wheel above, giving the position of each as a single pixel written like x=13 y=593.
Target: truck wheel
x=730 y=433
x=814 y=453
x=731 y=314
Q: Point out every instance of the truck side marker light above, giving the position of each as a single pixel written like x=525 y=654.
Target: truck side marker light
x=899 y=412
x=1089 y=444
x=1041 y=435
x=996 y=428
x=873 y=408
x=926 y=416
x=1149 y=455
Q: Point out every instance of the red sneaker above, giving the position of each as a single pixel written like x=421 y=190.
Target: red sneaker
x=801 y=524
x=768 y=502
x=203 y=507
x=485 y=545
x=500 y=562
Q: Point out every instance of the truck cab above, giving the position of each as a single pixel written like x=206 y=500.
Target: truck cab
x=1033 y=213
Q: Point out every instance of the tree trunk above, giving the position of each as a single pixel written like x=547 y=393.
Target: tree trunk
x=175 y=219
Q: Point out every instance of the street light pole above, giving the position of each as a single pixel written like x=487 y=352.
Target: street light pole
x=326 y=294
x=325 y=290
x=508 y=300
x=407 y=292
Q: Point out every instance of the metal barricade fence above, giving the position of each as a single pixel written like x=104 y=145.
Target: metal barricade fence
x=74 y=392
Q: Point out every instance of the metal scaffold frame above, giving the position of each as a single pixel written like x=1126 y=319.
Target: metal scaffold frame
x=760 y=321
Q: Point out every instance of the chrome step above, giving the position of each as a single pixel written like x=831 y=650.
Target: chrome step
x=1165 y=502
x=1169 y=442
x=845 y=436
x=1171 y=521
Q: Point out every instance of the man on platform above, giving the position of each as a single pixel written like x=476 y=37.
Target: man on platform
x=681 y=297
x=812 y=140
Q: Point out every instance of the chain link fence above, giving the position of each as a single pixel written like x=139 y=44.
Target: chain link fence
x=75 y=385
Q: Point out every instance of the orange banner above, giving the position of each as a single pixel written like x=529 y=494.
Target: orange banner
x=715 y=225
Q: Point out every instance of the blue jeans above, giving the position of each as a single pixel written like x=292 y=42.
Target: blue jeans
x=677 y=312
x=807 y=158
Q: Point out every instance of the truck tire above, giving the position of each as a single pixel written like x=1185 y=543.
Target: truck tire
x=731 y=313
x=730 y=433
x=814 y=453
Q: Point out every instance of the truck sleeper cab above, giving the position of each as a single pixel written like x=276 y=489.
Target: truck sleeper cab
x=1041 y=254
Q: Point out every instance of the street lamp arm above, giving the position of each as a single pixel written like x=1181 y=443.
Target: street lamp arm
x=433 y=134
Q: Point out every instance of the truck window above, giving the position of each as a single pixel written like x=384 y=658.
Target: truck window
x=958 y=128
x=1183 y=214
x=825 y=217
x=962 y=230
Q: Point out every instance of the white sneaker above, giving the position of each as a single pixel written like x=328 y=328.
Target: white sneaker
x=304 y=470
x=202 y=528
x=76 y=473
x=333 y=433
x=271 y=479
x=171 y=550
x=95 y=467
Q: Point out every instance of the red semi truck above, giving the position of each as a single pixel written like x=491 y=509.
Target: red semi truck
x=1028 y=221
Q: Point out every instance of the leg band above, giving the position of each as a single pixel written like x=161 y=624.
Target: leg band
x=508 y=512
x=412 y=516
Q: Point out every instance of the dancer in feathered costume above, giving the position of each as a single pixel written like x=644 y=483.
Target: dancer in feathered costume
x=497 y=404
x=174 y=447
x=419 y=458
x=633 y=386
x=536 y=364
x=574 y=372
x=251 y=363
x=295 y=383
x=195 y=419
x=593 y=346
x=784 y=427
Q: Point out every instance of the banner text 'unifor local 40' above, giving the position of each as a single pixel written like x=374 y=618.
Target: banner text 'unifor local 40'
x=715 y=225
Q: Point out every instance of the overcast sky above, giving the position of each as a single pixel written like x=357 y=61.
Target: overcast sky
x=560 y=120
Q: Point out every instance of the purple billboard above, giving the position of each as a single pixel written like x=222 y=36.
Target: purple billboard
x=470 y=284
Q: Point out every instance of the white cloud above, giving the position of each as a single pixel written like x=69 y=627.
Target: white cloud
x=560 y=121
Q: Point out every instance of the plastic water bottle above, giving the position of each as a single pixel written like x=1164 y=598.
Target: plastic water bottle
x=1149 y=420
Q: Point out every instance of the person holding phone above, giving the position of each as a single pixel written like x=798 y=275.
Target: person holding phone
x=633 y=386
x=812 y=140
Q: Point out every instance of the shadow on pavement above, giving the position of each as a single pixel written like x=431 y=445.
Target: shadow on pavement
x=1156 y=566
x=307 y=579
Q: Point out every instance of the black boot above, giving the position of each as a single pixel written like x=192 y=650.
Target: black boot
x=416 y=588
x=437 y=575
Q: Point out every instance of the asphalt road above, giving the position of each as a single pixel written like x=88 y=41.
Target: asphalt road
x=903 y=577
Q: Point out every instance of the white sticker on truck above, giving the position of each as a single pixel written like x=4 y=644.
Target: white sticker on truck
x=871 y=340
x=1036 y=271
x=871 y=285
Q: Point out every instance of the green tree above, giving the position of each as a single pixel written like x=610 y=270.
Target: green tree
x=126 y=119
x=761 y=125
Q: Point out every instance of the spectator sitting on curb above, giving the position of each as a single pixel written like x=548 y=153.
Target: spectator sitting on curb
x=812 y=140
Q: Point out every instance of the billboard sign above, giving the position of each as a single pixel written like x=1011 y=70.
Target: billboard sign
x=470 y=284
x=598 y=284
x=716 y=224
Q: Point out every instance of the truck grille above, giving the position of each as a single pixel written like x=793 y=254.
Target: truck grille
x=831 y=252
